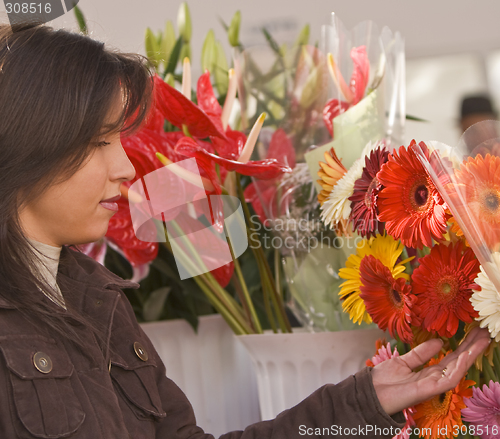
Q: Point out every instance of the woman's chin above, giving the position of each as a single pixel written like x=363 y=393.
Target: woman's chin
x=90 y=237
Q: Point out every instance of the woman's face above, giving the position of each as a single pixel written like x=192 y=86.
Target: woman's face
x=78 y=210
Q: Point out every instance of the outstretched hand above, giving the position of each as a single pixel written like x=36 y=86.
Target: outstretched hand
x=398 y=387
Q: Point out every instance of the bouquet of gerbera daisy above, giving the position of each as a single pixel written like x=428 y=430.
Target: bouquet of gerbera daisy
x=361 y=72
x=426 y=263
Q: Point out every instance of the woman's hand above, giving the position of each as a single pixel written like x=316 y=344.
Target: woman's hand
x=398 y=387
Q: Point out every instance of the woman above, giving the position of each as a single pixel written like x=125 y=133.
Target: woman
x=73 y=360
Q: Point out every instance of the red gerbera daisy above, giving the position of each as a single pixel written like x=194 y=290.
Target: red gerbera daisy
x=442 y=285
x=388 y=300
x=364 y=197
x=478 y=182
x=409 y=204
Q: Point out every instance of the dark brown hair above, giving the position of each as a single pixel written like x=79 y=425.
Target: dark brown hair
x=56 y=90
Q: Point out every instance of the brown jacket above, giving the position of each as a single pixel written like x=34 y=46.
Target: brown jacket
x=49 y=389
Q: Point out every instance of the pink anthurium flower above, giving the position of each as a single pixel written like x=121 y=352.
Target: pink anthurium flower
x=352 y=93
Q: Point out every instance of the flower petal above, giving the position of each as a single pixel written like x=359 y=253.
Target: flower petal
x=179 y=111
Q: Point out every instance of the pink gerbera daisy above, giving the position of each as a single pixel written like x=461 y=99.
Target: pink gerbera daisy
x=483 y=409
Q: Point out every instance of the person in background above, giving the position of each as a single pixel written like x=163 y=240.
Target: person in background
x=474 y=110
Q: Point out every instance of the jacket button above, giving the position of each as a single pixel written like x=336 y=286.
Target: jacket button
x=140 y=351
x=42 y=362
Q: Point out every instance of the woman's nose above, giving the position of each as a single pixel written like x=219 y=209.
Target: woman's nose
x=123 y=168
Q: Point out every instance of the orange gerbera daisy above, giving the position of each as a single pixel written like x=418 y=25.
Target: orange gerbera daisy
x=456 y=230
x=442 y=284
x=478 y=191
x=388 y=300
x=330 y=173
x=410 y=204
x=440 y=416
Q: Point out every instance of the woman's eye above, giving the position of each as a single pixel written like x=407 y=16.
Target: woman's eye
x=102 y=143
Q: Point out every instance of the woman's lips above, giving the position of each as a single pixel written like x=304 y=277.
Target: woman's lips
x=110 y=203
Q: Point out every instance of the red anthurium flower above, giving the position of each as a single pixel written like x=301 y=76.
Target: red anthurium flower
x=353 y=92
x=121 y=232
x=263 y=169
x=360 y=74
x=232 y=146
x=143 y=146
x=280 y=148
x=181 y=112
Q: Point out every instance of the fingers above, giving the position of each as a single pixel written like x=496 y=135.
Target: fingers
x=455 y=371
x=475 y=343
x=422 y=353
x=475 y=335
x=457 y=364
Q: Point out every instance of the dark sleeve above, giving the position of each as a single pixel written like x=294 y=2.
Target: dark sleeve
x=351 y=404
x=348 y=409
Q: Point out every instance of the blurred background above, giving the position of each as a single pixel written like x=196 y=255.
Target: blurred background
x=452 y=46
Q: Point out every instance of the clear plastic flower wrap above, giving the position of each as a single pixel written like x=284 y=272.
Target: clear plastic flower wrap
x=468 y=178
x=308 y=102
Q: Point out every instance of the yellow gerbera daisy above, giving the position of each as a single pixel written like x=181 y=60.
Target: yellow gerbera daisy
x=384 y=248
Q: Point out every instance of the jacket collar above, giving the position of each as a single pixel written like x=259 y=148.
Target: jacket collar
x=78 y=266
x=82 y=268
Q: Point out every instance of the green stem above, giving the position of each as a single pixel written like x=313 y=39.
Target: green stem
x=489 y=373
x=277 y=302
x=277 y=272
x=223 y=303
x=453 y=343
x=496 y=359
x=266 y=294
x=266 y=274
x=262 y=271
x=477 y=376
x=221 y=309
x=239 y=292
x=229 y=301
x=246 y=294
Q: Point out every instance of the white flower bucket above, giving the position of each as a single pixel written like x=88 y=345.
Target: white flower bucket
x=212 y=369
x=290 y=367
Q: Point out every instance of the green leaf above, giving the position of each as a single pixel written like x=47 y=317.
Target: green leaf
x=168 y=41
x=153 y=306
x=303 y=38
x=152 y=49
x=184 y=22
x=223 y=24
x=165 y=268
x=82 y=24
x=221 y=70
x=233 y=33
x=415 y=118
x=208 y=52
x=174 y=57
x=271 y=41
x=170 y=79
x=185 y=51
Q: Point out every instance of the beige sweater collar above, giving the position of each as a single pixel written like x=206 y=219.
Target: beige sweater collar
x=47 y=262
